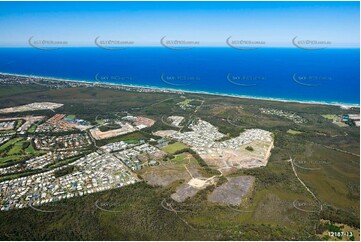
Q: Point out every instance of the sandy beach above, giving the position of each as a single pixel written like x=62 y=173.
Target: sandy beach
x=154 y=88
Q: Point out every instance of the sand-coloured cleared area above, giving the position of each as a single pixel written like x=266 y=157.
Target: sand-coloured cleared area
x=230 y=159
x=126 y=127
x=233 y=192
x=143 y=122
x=165 y=133
x=192 y=187
x=32 y=107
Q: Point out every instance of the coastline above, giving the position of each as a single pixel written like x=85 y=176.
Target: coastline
x=345 y=105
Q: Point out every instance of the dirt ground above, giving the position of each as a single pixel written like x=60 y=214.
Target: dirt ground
x=228 y=159
x=185 y=169
x=183 y=192
x=164 y=133
x=168 y=172
x=158 y=176
x=32 y=107
x=98 y=135
x=144 y=121
x=234 y=191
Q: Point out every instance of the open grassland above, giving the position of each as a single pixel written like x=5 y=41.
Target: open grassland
x=175 y=147
x=291 y=131
x=330 y=116
x=32 y=128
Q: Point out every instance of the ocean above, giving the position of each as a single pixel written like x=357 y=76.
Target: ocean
x=326 y=75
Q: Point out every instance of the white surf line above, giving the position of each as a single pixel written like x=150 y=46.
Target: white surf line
x=313 y=195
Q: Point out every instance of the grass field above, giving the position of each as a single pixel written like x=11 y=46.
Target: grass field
x=9 y=158
x=7 y=132
x=181 y=158
x=334 y=119
x=291 y=131
x=173 y=148
x=19 y=123
x=10 y=143
x=185 y=102
x=32 y=128
x=330 y=116
x=100 y=121
x=14 y=150
x=71 y=116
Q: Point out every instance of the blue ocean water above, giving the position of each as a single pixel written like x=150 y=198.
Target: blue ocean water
x=327 y=75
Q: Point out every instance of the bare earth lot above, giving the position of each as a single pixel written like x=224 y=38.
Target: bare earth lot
x=98 y=135
x=228 y=160
x=32 y=107
x=184 y=168
x=234 y=191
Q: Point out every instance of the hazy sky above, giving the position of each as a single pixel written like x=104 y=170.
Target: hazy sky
x=145 y=23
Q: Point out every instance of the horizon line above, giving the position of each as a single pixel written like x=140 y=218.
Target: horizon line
x=188 y=48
